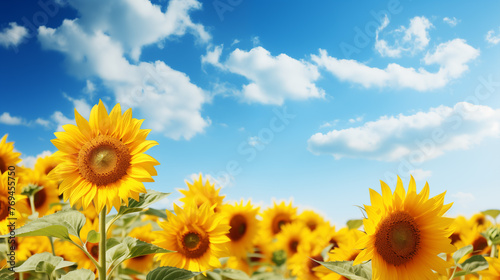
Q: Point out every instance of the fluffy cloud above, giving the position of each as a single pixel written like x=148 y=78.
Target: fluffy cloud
x=29 y=161
x=99 y=42
x=422 y=136
x=60 y=119
x=409 y=39
x=273 y=79
x=492 y=38
x=6 y=118
x=452 y=58
x=451 y=21
x=13 y=35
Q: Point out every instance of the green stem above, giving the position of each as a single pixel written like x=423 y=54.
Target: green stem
x=493 y=251
x=102 y=244
x=52 y=245
x=87 y=254
x=21 y=276
x=32 y=203
x=453 y=274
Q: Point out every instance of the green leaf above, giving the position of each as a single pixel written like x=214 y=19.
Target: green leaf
x=145 y=199
x=359 y=272
x=31 y=189
x=79 y=274
x=170 y=273
x=156 y=212
x=460 y=253
x=234 y=274
x=492 y=213
x=129 y=248
x=43 y=262
x=279 y=257
x=59 y=225
x=492 y=234
x=213 y=275
x=93 y=236
x=267 y=276
x=354 y=224
x=473 y=264
x=6 y=274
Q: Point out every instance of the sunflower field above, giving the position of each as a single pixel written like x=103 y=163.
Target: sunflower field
x=84 y=213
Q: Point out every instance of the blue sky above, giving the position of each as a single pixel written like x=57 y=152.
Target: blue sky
x=274 y=99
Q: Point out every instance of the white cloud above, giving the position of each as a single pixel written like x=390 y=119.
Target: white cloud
x=418 y=137
x=139 y=23
x=358 y=119
x=254 y=141
x=89 y=88
x=60 y=119
x=213 y=56
x=420 y=174
x=273 y=78
x=492 y=38
x=97 y=43
x=80 y=105
x=6 y=118
x=451 y=21
x=42 y=122
x=255 y=41
x=409 y=39
x=452 y=58
x=29 y=161
x=235 y=41
x=329 y=124
x=13 y=35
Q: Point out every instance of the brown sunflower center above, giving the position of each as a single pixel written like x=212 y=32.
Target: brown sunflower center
x=279 y=221
x=3 y=165
x=40 y=198
x=93 y=249
x=398 y=238
x=292 y=245
x=103 y=160
x=256 y=257
x=238 y=228
x=194 y=245
x=311 y=225
x=4 y=208
x=312 y=262
x=480 y=221
x=334 y=243
x=49 y=168
x=479 y=244
x=454 y=238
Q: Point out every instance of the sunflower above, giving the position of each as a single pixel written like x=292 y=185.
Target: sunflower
x=71 y=253
x=243 y=222
x=239 y=263
x=480 y=221
x=291 y=236
x=493 y=272
x=311 y=219
x=405 y=233
x=20 y=206
x=309 y=251
x=30 y=245
x=44 y=197
x=46 y=164
x=472 y=236
x=196 y=234
x=103 y=160
x=144 y=263
x=199 y=193
x=275 y=217
x=7 y=155
x=346 y=251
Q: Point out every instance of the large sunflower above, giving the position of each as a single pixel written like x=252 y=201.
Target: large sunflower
x=243 y=222
x=196 y=234
x=103 y=160
x=199 y=193
x=7 y=155
x=44 y=197
x=20 y=206
x=405 y=233
x=291 y=236
x=275 y=217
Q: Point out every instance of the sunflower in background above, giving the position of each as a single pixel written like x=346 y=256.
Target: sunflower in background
x=199 y=193
x=244 y=227
x=7 y=155
x=103 y=160
x=30 y=245
x=472 y=236
x=274 y=218
x=142 y=264
x=480 y=221
x=21 y=205
x=309 y=251
x=44 y=197
x=46 y=164
x=493 y=272
x=405 y=232
x=311 y=219
x=197 y=235
x=334 y=237
x=291 y=236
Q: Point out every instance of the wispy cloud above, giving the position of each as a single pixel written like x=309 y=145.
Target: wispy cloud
x=424 y=135
x=492 y=38
x=453 y=21
x=29 y=161
x=6 y=118
x=452 y=58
